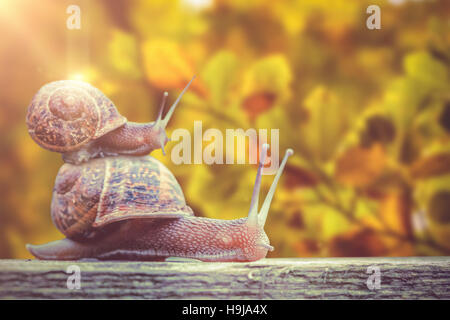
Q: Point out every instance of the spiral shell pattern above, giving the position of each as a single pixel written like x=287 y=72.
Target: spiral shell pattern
x=64 y=115
x=89 y=196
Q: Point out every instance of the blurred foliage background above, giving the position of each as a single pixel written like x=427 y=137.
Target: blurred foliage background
x=367 y=112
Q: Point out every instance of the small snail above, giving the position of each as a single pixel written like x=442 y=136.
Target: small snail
x=133 y=208
x=79 y=121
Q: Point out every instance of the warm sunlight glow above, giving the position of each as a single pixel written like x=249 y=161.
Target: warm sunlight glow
x=77 y=76
x=197 y=4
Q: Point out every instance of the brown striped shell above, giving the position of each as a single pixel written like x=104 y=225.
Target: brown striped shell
x=64 y=115
x=92 y=195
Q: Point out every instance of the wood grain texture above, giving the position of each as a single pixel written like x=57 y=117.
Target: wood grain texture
x=320 y=278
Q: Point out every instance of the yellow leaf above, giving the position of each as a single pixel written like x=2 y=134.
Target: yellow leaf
x=258 y=103
x=326 y=121
x=219 y=74
x=123 y=53
x=359 y=166
x=168 y=67
x=421 y=66
x=434 y=165
x=270 y=74
x=395 y=211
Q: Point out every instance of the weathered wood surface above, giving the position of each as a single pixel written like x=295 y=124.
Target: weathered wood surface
x=322 y=278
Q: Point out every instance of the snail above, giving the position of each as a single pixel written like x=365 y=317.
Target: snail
x=76 y=119
x=132 y=208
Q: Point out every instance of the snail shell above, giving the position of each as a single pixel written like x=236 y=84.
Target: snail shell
x=64 y=115
x=89 y=196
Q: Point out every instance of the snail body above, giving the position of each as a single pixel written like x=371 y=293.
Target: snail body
x=132 y=208
x=79 y=121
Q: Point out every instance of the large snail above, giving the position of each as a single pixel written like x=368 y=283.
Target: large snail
x=79 y=121
x=133 y=208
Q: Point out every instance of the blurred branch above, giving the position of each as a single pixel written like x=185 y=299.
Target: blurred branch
x=322 y=175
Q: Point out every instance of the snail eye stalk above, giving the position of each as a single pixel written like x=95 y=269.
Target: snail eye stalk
x=160 y=123
x=174 y=105
x=253 y=212
x=266 y=205
x=161 y=109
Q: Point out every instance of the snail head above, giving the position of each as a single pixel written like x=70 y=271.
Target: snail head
x=159 y=127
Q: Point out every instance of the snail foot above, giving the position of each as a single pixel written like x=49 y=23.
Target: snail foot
x=181 y=259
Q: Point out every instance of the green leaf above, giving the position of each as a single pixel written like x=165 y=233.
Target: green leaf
x=123 y=54
x=219 y=75
x=326 y=122
x=270 y=74
x=402 y=100
x=422 y=67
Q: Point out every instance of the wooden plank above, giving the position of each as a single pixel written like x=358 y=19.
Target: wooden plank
x=320 y=278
